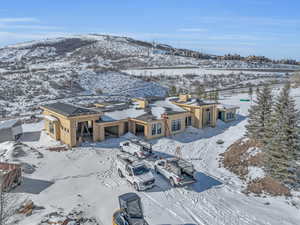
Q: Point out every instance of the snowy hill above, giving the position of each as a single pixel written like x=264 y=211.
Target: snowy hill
x=100 y=67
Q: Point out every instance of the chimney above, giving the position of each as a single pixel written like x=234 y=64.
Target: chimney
x=183 y=97
x=143 y=103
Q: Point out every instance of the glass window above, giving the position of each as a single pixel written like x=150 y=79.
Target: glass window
x=159 y=128
x=134 y=209
x=51 y=127
x=156 y=128
x=188 y=121
x=176 y=125
x=140 y=170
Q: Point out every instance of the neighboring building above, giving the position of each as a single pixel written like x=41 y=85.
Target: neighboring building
x=227 y=113
x=147 y=118
x=10 y=130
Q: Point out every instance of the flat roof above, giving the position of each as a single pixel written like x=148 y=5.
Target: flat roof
x=116 y=115
x=68 y=109
x=194 y=102
x=225 y=106
x=8 y=123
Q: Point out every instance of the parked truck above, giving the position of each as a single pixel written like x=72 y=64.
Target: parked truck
x=138 y=148
x=135 y=172
x=179 y=172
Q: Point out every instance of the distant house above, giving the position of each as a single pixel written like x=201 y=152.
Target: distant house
x=10 y=130
x=148 y=118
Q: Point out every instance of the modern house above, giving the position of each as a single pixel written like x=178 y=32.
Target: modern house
x=147 y=118
x=10 y=130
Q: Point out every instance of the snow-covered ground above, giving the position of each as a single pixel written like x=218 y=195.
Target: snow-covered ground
x=85 y=178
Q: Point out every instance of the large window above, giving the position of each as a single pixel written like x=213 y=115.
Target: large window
x=176 y=125
x=230 y=115
x=51 y=127
x=188 y=121
x=156 y=128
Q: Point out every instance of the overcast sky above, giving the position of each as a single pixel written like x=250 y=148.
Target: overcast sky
x=260 y=27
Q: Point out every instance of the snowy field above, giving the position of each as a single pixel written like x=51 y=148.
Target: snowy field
x=196 y=71
x=85 y=179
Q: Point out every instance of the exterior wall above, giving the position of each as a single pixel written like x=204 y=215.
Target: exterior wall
x=56 y=134
x=6 y=135
x=17 y=130
x=65 y=127
x=225 y=119
x=180 y=116
x=149 y=128
x=198 y=119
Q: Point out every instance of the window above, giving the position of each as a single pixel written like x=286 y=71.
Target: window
x=51 y=128
x=176 y=125
x=156 y=128
x=230 y=115
x=188 y=121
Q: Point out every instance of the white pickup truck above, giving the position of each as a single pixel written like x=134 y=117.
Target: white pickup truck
x=135 y=172
x=178 y=171
x=138 y=148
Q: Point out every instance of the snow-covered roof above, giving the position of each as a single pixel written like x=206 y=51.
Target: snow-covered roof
x=152 y=112
x=50 y=118
x=225 y=106
x=167 y=104
x=122 y=114
x=8 y=123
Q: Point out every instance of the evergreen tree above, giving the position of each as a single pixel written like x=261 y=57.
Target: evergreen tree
x=250 y=92
x=259 y=114
x=200 y=91
x=216 y=96
x=283 y=140
x=173 y=91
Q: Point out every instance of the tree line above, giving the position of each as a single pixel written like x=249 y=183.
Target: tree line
x=275 y=123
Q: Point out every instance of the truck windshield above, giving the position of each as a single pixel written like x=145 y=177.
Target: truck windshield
x=140 y=170
x=134 y=209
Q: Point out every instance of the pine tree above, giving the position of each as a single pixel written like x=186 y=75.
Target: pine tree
x=283 y=140
x=200 y=91
x=250 y=92
x=259 y=114
x=173 y=91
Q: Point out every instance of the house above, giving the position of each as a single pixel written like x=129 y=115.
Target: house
x=227 y=113
x=202 y=113
x=148 y=118
x=10 y=130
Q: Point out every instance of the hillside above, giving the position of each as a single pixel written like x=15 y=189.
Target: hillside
x=89 y=68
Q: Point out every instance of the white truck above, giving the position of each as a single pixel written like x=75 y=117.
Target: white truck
x=135 y=172
x=138 y=148
x=178 y=171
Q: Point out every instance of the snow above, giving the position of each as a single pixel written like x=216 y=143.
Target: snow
x=50 y=118
x=122 y=114
x=157 y=111
x=7 y=123
x=168 y=104
x=255 y=173
x=225 y=106
x=85 y=178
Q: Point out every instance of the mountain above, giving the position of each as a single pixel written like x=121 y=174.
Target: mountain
x=90 y=68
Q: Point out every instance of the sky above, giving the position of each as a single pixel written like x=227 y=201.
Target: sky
x=246 y=27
